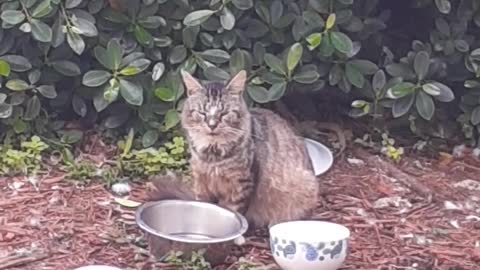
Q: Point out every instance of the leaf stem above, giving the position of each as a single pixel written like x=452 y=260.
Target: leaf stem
x=65 y=16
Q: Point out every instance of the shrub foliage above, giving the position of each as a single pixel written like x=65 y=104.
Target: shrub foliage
x=116 y=63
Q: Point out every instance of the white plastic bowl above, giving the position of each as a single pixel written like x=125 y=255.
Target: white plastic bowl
x=320 y=156
x=309 y=245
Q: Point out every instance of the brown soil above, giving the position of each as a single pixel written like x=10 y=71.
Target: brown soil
x=62 y=226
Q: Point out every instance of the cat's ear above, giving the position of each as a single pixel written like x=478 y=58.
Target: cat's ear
x=192 y=84
x=236 y=85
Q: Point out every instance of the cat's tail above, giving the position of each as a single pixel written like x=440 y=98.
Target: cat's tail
x=170 y=186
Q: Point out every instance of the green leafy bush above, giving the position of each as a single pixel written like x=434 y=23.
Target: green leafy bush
x=116 y=62
x=26 y=159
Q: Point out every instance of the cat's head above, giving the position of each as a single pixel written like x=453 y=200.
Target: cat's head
x=215 y=110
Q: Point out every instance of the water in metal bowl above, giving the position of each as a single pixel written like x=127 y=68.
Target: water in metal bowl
x=190 y=221
x=320 y=155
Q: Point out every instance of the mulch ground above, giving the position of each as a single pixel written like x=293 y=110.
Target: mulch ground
x=420 y=214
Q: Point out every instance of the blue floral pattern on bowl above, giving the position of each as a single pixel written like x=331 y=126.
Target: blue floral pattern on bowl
x=309 y=251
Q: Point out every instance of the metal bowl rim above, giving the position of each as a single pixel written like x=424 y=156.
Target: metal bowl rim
x=242 y=220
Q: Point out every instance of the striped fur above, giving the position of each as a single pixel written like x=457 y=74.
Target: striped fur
x=248 y=161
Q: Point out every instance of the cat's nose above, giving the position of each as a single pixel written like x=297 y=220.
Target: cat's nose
x=212 y=124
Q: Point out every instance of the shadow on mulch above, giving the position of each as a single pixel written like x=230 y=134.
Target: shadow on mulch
x=414 y=218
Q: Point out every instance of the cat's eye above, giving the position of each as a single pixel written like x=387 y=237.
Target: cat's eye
x=198 y=113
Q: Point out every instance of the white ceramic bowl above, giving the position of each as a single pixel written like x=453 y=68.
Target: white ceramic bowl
x=309 y=245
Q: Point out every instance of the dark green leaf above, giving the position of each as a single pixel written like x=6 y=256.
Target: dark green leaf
x=17 y=98
x=256 y=29
x=446 y=94
x=277 y=90
x=100 y=103
x=258 y=94
x=189 y=35
x=431 y=89
x=33 y=108
x=341 y=42
x=275 y=64
x=171 y=119
x=442 y=26
x=104 y=58
x=86 y=27
x=402 y=105
x=276 y=11
x=326 y=48
x=335 y=75
x=41 y=31
x=215 y=56
x=474 y=117
x=131 y=92
x=400 y=90
x=20 y=126
x=158 y=71
x=17 y=63
x=425 y=106
x=216 y=74
x=243 y=4
x=47 y=91
x=421 y=64
x=6 y=110
x=237 y=61
x=379 y=80
x=165 y=94
x=66 y=68
x=354 y=76
x=4 y=69
x=152 y=22
x=42 y=9
x=294 y=55
x=58 y=36
x=79 y=106
x=142 y=36
x=197 y=17
x=149 y=138
x=12 y=17
x=135 y=67
x=114 y=52
x=271 y=78
x=365 y=67
x=75 y=42
x=306 y=75
x=443 y=6
x=400 y=70
x=258 y=53
x=462 y=45
x=17 y=85
x=471 y=84
x=72 y=3
x=96 y=78
x=116 y=120
x=71 y=136
x=227 y=19
x=178 y=54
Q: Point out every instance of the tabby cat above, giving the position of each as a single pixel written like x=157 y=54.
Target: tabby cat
x=249 y=161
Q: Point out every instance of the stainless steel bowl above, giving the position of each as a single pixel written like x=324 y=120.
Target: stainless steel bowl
x=190 y=221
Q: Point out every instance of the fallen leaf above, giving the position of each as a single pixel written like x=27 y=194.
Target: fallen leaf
x=127 y=202
x=445 y=159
